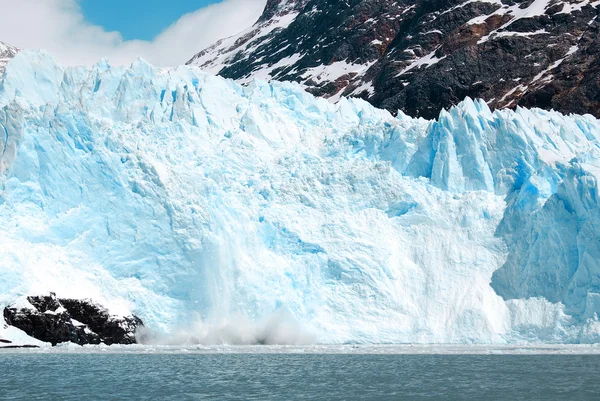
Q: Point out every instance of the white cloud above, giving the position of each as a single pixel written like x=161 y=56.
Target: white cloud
x=59 y=27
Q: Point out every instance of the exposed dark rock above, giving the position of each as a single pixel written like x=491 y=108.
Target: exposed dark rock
x=420 y=56
x=6 y=54
x=18 y=346
x=56 y=320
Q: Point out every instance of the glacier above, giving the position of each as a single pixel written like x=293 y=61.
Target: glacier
x=203 y=205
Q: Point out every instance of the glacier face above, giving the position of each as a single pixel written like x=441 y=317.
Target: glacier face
x=184 y=197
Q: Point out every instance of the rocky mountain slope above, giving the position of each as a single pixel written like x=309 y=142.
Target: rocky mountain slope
x=424 y=55
x=6 y=53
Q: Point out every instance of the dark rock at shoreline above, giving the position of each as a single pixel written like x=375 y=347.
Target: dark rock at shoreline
x=56 y=320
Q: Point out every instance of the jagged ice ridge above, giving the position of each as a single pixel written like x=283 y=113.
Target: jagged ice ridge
x=184 y=197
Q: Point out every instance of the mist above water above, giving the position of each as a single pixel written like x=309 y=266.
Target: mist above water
x=278 y=328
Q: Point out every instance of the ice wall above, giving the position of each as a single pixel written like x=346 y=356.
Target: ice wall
x=186 y=198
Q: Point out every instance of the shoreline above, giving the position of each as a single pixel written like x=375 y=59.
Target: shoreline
x=405 y=349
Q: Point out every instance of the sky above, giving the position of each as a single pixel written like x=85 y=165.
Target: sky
x=163 y=32
x=138 y=19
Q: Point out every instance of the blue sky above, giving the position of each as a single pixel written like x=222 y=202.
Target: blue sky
x=138 y=19
x=164 y=32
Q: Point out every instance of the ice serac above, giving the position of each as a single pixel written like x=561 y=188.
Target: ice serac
x=183 y=197
x=555 y=251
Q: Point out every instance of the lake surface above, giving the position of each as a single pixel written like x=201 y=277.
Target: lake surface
x=295 y=376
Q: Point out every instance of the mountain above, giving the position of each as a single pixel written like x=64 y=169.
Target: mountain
x=261 y=214
x=421 y=56
x=6 y=53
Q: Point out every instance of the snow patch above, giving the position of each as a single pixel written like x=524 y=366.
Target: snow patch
x=427 y=61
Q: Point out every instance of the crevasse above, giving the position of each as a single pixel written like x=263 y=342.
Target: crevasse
x=185 y=197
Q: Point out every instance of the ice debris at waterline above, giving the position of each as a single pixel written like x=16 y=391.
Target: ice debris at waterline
x=182 y=197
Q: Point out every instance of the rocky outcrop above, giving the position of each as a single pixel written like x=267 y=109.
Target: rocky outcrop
x=6 y=344
x=56 y=320
x=6 y=54
x=420 y=56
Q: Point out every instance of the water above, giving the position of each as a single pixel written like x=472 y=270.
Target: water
x=296 y=376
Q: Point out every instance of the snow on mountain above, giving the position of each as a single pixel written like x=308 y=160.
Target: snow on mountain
x=6 y=54
x=421 y=56
x=195 y=202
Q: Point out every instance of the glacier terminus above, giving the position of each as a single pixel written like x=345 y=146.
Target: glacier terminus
x=225 y=213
